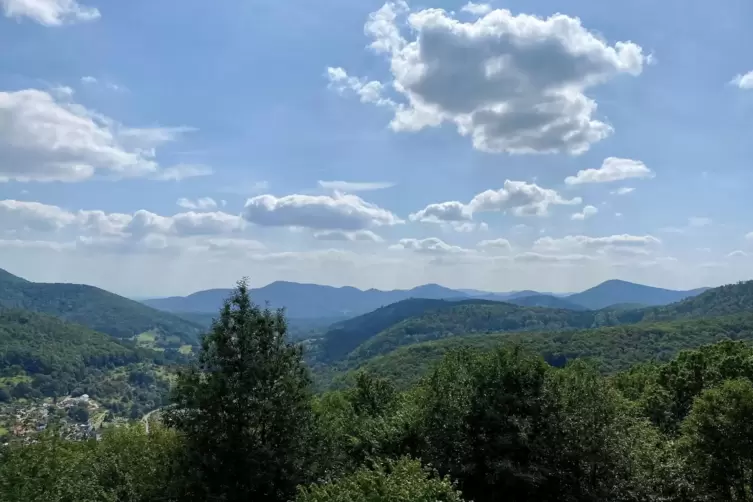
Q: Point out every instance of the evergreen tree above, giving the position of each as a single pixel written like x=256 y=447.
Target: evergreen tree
x=245 y=409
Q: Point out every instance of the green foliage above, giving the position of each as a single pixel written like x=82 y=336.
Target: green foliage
x=718 y=440
x=42 y=356
x=517 y=416
x=468 y=319
x=415 y=321
x=125 y=466
x=404 y=480
x=95 y=308
x=244 y=409
x=613 y=349
x=667 y=392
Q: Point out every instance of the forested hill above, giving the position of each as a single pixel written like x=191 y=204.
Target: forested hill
x=611 y=348
x=468 y=318
x=95 y=308
x=40 y=343
x=616 y=292
x=416 y=320
x=724 y=300
x=43 y=356
x=548 y=301
x=344 y=336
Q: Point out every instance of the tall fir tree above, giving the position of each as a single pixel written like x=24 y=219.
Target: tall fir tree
x=245 y=409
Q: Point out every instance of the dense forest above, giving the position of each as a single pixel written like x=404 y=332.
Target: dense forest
x=486 y=425
x=352 y=342
x=96 y=309
x=43 y=356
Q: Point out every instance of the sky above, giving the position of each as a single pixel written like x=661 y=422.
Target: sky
x=160 y=148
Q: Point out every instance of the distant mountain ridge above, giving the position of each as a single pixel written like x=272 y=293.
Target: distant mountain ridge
x=614 y=292
x=316 y=301
x=306 y=300
x=414 y=321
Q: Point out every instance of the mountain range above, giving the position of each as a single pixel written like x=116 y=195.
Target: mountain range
x=317 y=301
x=408 y=327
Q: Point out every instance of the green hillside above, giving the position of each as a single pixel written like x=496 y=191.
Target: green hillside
x=343 y=337
x=43 y=356
x=416 y=321
x=97 y=309
x=468 y=318
x=613 y=348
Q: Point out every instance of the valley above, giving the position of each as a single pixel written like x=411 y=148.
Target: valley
x=66 y=373
x=63 y=340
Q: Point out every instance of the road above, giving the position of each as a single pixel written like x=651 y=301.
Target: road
x=145 y=419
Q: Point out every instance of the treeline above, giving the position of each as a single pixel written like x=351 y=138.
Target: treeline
x=611 y=349
x=498 y=425
x=351 y=342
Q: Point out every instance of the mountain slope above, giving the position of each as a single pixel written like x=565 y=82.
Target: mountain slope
x=547 y=301
x=343 y=337
x=721 y=301
x=615 y=292
x=398 y=325
x=95 y=308
x=612 y=348
x=469 y=318
x=43 y=356
x=305 y=300
x=39 y=343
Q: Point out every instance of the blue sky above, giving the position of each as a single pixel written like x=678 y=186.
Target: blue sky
x=156 y=148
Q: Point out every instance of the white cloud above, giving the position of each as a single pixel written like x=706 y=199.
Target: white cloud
x=586 y=213
x=744 y=81
x=477 y=9
x=50 y=12
x=46 y=139
x=518 y=197
x=113 y=227
x=181 y=172
x=623 y=244
x=512 y=83
x=339 y=235
x=623 y=191
x=34 y=244
x=230 y=245
x=367 y=91
x=16 y=214
x=738 y=254
x=495 y=245
x=355 y=186
x=749 y=236
x=89 y=80
x=213 y=223
x=320 y=212
x=612 y=169
x=521 y=198
x=533 y=257
x=467 y=226
x=430 y=246
x=201 y=204
x=442 y=212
